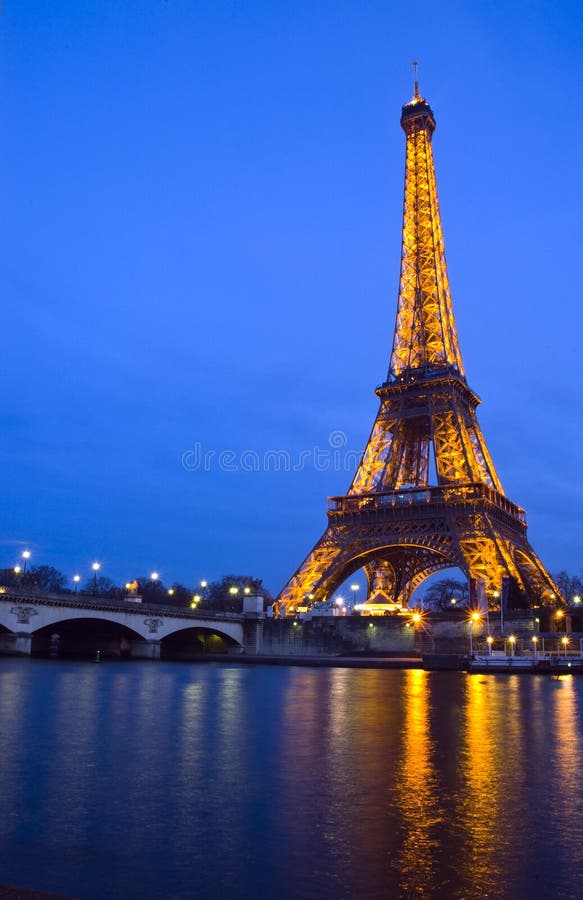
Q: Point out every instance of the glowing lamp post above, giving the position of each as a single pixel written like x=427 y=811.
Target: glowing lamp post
x=490 y=641
x=76 y=580
x=475 y=617
x=512 y=641
x=26 y=554
x=354 y=588
x=415 y=622
x=534 y=645
x=497 y=596
x=96 y=567
x=565 y=643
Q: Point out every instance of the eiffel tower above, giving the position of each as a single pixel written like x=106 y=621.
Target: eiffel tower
x=426 y=495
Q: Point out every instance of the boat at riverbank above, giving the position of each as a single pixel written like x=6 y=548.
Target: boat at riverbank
x=550 y=663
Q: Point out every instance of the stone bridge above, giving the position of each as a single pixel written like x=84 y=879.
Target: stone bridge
x=32 y=623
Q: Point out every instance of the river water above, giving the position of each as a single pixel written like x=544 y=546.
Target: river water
x=176 y=780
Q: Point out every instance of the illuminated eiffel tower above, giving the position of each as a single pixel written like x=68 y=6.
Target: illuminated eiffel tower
x=426 y=495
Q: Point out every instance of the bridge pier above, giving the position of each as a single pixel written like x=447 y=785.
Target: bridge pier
x=145 y=650
x=254 y=617
x=15 y=644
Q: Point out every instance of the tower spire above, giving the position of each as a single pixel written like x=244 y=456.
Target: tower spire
x=425 y=332
x=416 y=94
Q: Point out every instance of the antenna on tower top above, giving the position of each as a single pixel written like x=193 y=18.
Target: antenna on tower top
x=415 y=82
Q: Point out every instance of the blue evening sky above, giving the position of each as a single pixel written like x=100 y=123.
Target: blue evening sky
x=200 y=248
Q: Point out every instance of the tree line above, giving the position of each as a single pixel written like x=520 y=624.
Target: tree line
x=448 y=593
x=225 y=594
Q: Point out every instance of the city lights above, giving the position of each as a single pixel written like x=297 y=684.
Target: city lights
x=96 y=567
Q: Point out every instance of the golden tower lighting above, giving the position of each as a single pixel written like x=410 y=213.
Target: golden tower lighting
x=426 y=495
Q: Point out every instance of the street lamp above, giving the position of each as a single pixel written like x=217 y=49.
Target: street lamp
x=204 y=584
x=76 y=580
x=247 y=590
x=474 y=617
x=354 y=588
x=96 y=567
x=195 y=601
x=154 y=576
x=534 y=645
x=496 y=595
x=17 y=570
x=565 y=643
x=170 y=592
x=490 y=641
x=512 y=641
x=577 y=599
x=233 y=590
x=26 y=554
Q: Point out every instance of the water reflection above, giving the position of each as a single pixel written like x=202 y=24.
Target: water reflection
x=176 y=780
x=486 y=738
x=417 y=791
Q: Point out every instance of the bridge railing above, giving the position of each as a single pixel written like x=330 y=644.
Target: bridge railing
x=89 y=601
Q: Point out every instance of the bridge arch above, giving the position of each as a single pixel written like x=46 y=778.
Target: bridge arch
x=35 y=617
x=84 y=636
x=424 y=557
x=198 y=640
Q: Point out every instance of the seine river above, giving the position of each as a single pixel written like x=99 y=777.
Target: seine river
x=176 y=780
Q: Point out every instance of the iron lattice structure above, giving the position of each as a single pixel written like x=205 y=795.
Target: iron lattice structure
x=426 y=495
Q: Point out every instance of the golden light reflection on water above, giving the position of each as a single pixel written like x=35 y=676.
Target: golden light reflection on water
x=296 y=782
x=482 y=758
x=417 y=792
x=567 y=734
